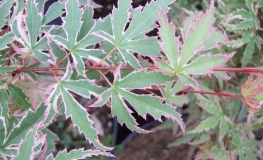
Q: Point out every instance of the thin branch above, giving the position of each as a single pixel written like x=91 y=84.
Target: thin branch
x=113 y=49
x=66 y=56
x=214 y=93
x=105 y=78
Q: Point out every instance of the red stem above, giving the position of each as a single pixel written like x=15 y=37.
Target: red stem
x=244 y=70
x=214 y=93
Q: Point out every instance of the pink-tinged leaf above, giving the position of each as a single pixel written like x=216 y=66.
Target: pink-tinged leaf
x=151 y=105
x=251 y=89
x=25 y=150
x=170 y=44
x=79 y=154
x=204 y=64
x=80 y=118
x=131 y=40
x=198 y=35
x=123 y=113
x=21 y=129
x=189 y=81
x=49 y=145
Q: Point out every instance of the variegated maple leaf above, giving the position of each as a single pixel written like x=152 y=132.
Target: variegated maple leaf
x=142 y=104
x=78 y=26
x=132 y=39
x=251 y=89
x=73 y=108
x=198 y=35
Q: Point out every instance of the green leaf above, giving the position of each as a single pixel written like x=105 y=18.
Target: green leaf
x=33 y=22
x=21 y=129
x=18 y=96
x=123 y=113
x=54 y=11
x=170 y=44
x=4 y=99
x=80 y=154
x=195 y=37
x=4 y=70
x=142 y=79
x=127 y=40
x=207 y=124
x=82 y=87
x=248 y=53
x=80 y=118
x=198 y=36
x=26 y=148
x=5 y=7
x=153 y=106
x=3 y=130
x=87 y=24
x=223 y=127
x=184 y=139
x=5 y=39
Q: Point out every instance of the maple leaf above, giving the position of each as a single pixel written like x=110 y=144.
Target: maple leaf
x=142 y=104
x=73 y=109
x=198 y=35
x=31 y=22
x=78 y=35
x=131 y=39
x=251 y=89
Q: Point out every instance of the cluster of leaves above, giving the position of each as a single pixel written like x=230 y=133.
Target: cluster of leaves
x=228 y=126
x=242 y=20
x=44 y=68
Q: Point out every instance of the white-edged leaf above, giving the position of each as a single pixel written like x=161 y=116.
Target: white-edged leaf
x=25 y=150
x=3 y=130
x=29 y=120
x=50 y=140
x=4 y=11
x=150 y=105
x=80 y=118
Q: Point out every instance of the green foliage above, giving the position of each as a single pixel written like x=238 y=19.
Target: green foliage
x=46 y=72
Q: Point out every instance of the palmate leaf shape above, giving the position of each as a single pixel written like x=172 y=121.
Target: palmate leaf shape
x=142 y=104
x=78 y=35
x=33 y=22
x=73 y=109
x=251 y=89
x=131 y=39
x=198 y=35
